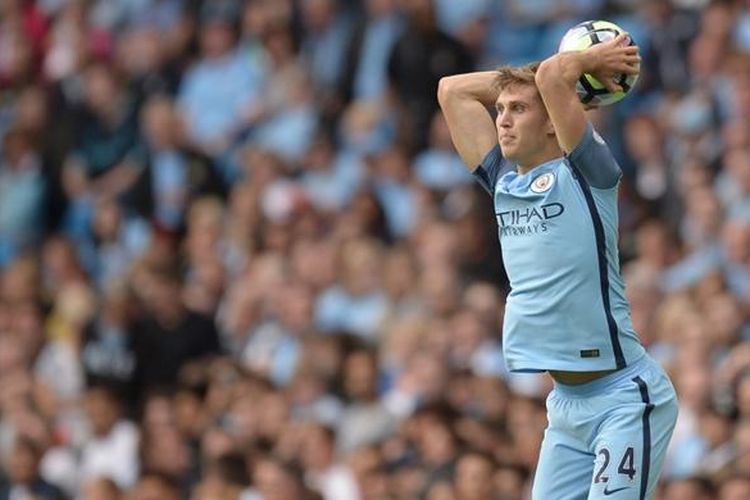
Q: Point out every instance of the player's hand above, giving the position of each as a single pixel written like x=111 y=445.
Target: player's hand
x=607 y=61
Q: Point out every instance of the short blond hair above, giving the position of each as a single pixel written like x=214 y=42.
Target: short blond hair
x=509 y=76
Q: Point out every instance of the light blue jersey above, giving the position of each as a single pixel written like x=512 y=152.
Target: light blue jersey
x=557 y=224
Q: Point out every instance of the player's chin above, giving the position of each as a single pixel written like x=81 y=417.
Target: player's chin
x=507 y=150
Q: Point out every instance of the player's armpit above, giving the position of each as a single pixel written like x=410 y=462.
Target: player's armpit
x=595 y=161
x=464 y=100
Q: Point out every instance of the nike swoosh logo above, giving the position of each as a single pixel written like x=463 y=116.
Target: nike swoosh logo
x=612 y=492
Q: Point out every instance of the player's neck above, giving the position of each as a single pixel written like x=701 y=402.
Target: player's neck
x=551 y=152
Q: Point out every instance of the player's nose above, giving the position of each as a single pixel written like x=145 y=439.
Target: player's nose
x=504 y=119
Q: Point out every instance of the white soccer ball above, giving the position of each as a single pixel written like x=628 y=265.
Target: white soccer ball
x=589 y=89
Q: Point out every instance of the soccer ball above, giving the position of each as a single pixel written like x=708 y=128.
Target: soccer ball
x=589 y=89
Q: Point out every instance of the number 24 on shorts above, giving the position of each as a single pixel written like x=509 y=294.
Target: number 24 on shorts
x=626 y=466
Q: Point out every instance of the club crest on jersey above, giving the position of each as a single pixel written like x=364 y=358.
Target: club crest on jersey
x=543 y=183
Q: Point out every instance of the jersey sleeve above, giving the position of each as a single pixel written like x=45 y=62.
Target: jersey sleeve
x=593 y=159
x=489 y=170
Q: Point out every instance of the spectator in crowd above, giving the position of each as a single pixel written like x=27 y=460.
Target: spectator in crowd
x=420 y=57
x=328 y=30
x=220 y=88
x=374 y=38
x=22 y=191
x=24 y=480
x=112 y=450
x=168 y=335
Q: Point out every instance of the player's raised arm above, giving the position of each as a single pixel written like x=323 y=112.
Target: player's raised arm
x=557 y=76
x=464 y=100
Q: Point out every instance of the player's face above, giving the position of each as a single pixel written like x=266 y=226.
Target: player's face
x=523 y=126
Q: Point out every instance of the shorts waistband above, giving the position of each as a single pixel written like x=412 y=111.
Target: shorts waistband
x=602 y=384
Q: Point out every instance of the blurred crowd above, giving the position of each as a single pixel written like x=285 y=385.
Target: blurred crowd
x=240 y=259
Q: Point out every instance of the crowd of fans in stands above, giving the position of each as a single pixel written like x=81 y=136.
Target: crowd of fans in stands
x=240 y=259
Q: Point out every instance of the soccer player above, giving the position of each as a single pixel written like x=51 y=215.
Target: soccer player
x=554 y=184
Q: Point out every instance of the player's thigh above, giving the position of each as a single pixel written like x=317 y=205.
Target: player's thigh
x=564 y=469
x=632 y=441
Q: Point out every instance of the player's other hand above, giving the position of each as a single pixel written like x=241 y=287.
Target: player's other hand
x=608 y=60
